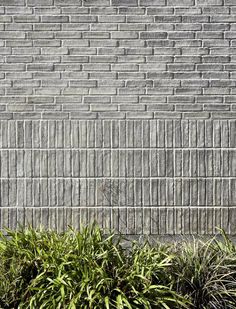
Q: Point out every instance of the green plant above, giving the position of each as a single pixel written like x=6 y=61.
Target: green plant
x=205 y=273
x=43 y=269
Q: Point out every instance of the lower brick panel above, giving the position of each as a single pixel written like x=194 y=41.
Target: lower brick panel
x=155 y=177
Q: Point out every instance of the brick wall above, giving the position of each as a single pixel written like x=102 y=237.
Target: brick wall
x=122 y=111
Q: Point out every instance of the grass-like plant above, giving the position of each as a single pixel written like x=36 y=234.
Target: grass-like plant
x=43 y=269
x=205 y=273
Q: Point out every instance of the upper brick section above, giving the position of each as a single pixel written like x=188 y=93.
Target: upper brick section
x=94 y=59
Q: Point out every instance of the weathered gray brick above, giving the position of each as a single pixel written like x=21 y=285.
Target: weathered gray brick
x=153 y=35
x=40 y=67
x=45 y=10
x=98 y=3
x=152 y=2
x=111 y=19
x=76 y=26
x=40 y=35
x=140 y=19
x=96 y=35
x=12 y=35
x=12 y=2
x=180 y=3
x=26 y=19
x=45 y=27
x=68 y=2
x=124 y=2
x=83 y=19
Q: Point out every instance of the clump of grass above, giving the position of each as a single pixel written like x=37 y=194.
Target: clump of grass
x=205 y=273
x=43 y=269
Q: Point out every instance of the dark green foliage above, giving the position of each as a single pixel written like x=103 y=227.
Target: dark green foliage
x=205 y=272
x=46 y=270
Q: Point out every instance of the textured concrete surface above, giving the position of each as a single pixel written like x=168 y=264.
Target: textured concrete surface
x=123 y=111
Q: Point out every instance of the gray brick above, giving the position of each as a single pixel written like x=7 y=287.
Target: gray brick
x=26 y=83
x=195 y=19
x=75 y=26
x=131 y=10
x=12 y=35
x=181 y=67
x=181 y=35
x=97 y=3
x=83 y=115
x=77 y=43
x=5 y=51
x=68 y=2
x=153 y=35
x=12 y=67
x=17 y=26
x=152 y=2
x=55 y=115
x=26 y=19
x=139 y=115
x=103 y=108
x=160 y=11
x=52 y=50
x=111 y=19
x=180 y=3
x=126 y=43
x=47 y=58
x=96 y=35
x=188 y=27
x=12 y=2
x=42 y=3
x=138 y=51
x=45 y=27
x=132 y=27
x=40 y=67
x=5 y=19
x=124 y=2
x=125 y=67
x=161 y=115
x=125 y=35
x=25 y=51
x=71 y=10
x=168 y=19
x=103 y=27
x=224 y=115
x=82 y=51
x=132 y=107
x=55 y=19
x=209 y=2
x=229 y=2
x=83 y=83
x=25 y=43
x=152 y=99
x=45 y=11
x=83 y=19
x=188 y=11
x=111 y=115
x=111 y=51
x=140 y=19
x=196 y=115
x=41 y=35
